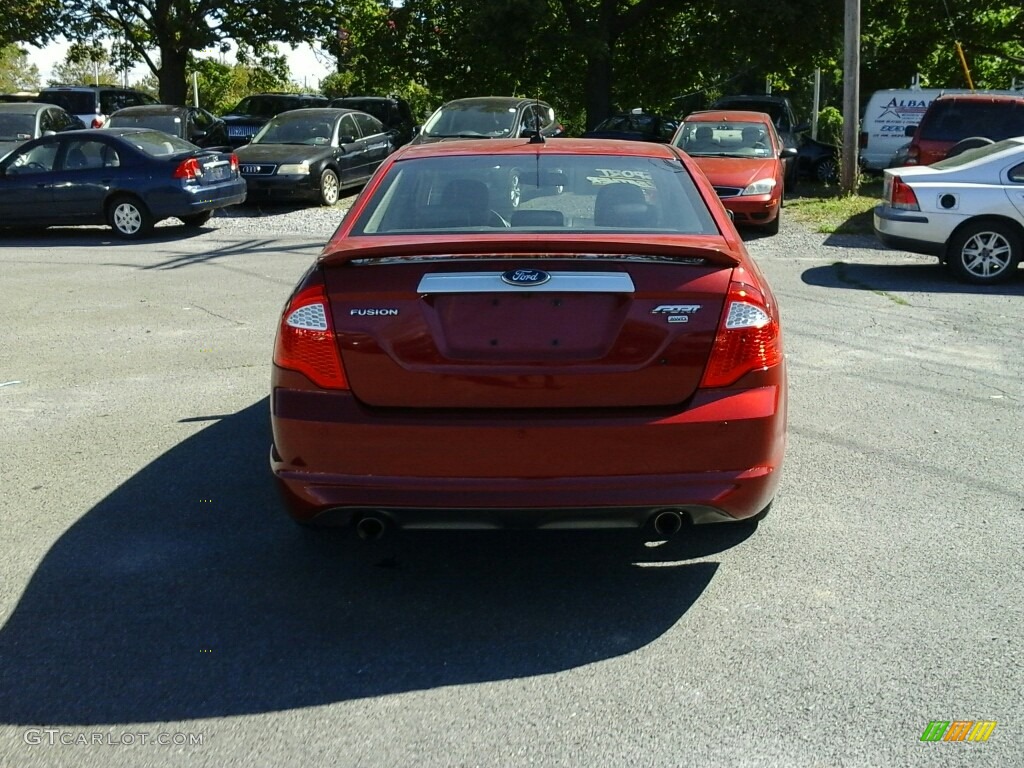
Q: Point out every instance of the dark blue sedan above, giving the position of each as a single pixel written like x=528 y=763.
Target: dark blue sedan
x=129 y=178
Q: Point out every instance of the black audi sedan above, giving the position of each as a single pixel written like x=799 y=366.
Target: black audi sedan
x=129 y=178
x=189 y=123
x=313 y=154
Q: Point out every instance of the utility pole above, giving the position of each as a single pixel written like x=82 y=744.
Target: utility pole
x=850 y=175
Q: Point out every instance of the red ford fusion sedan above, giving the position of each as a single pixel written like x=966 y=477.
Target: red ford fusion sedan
x=520 y=334
x=742 y=154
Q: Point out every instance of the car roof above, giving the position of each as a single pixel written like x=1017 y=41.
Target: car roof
x=318 y=112
x=1007 y=97
x=712 y=115
x=554 y=146
x=496 y=101
x=26 y=107
x=153 y=109
x=753 y=97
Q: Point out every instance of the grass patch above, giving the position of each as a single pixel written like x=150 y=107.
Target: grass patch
x=829 y=211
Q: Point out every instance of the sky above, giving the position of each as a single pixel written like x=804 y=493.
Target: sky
x=306 y=70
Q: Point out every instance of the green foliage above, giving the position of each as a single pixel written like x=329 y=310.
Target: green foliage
x=222 y=86
x=16 y=74
x=830 y=126
x=85 y=64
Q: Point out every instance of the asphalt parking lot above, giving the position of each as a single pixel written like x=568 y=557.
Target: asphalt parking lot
x=157 y=609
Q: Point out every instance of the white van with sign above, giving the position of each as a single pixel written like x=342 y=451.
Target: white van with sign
x=888 y=114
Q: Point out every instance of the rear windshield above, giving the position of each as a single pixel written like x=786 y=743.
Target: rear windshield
x=166 y=123
x=158 y=144
x=264 y=106
x=955 y=120
x=17 y=127
x=75 y=102
x=526 y=193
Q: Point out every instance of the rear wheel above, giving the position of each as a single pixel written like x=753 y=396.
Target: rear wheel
x=985 y=252
x=826 y=170
x=129 y=218
x=330 y=189
x=196 y=219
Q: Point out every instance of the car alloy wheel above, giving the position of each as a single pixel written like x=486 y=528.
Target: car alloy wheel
x=330 y=190
x=129 y=218
x=826 y=170
x=985 y=252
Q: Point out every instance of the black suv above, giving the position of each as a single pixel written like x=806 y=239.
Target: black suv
x=255 y=111
x=489 y=117
x=390 y=110
x=93 y=104
x=780 y=109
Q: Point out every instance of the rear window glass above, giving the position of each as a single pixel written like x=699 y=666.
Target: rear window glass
x=955 y=120
x=166 y=123
x=158 y=144
x=15 y=127
x=75 y=102
x=551 y=193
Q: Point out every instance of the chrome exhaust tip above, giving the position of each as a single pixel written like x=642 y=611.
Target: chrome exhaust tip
x=667 y=523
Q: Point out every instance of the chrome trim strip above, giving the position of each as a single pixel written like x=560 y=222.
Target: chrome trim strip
x=560 y=282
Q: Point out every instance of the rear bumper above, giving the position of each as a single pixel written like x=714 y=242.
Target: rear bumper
x=904 y=231
x=718 y=459
x=176 y=201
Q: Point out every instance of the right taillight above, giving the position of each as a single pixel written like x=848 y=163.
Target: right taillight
x=901 y=196
x=913 y=155
x=305 y=339
x=748 y=337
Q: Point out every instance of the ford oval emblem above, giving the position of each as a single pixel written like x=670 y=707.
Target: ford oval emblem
x=525 y=278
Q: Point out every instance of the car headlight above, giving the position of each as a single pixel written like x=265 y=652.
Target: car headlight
x=293 y=169
x=760 y=187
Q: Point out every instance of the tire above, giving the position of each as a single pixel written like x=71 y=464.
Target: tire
x=330 y=188
x=984 y=252
x=972 y=143
x=827 y=170
x=129 y=218
x=196 y=219
x=772 y=227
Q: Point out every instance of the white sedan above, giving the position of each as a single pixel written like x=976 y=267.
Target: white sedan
x=968 y=210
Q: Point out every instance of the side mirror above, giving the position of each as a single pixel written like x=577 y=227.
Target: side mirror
x=346 y=139
x=787 y=152
x=416 y=129
x=909 y=131
x=49 y=133
x=200 y=134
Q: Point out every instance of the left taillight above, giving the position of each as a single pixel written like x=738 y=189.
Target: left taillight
x=900 y=195
x=748 y=339
x=188 y=169
x=233 y=159
x=305 y=338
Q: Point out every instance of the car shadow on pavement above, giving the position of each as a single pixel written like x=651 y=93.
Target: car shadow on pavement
x=186 y=593
x=92 y=236
x=929 y=276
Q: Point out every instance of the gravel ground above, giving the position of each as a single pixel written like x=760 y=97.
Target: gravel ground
x=280 y=219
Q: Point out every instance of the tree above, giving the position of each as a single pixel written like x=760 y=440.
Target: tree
x=84 y=64
x=164 y=33
x=16 y=74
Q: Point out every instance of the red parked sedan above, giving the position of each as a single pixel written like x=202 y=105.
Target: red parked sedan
x=741 y=153
x=604 y=353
